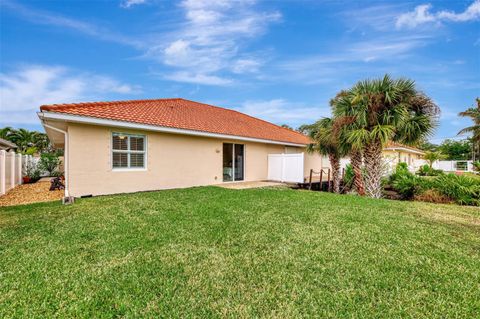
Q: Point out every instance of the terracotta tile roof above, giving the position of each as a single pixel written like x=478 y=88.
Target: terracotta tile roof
x=182 y=114
x=398 y=145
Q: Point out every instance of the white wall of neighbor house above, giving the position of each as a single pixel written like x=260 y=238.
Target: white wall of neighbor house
x=172 y=161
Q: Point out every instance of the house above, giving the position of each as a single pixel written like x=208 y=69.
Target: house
x=7 y=145
x=394 y=153
x=141 y=145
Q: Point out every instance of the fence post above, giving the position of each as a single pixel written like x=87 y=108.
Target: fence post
x=3 y=174
x=19 y=169
x=12 y=169
x=310 y=180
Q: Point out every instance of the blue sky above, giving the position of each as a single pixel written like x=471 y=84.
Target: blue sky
x=278 y=60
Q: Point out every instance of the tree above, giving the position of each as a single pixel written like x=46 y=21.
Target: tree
x=385 y=109
x=326 y=143
x=23 y=138
x=427 y=146
x=6 y=132
x=27 y=141
x=456 y=150
x=343 y=125
x=474 y=114
x=49 y=162
x=432 y=157
x=287 y=126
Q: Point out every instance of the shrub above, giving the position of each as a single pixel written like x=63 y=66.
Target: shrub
x=348 y=177
x=400 y=170
x=476 y=166
x=32 y=172
x=409 y=185
x=56 y=174
x=426 y=170
x=49 y=162
x=464 y=190
x=432 y=196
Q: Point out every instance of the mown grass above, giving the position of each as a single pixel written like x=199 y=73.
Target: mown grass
x=212 y=252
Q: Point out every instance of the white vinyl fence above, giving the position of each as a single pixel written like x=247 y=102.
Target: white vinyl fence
x=12 y=169
x=447 y=166
x=286 y=167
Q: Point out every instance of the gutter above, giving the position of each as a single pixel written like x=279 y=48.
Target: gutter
x=66 y=153
x=403 y=149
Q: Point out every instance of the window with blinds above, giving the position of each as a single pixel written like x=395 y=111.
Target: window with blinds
x=128 y=151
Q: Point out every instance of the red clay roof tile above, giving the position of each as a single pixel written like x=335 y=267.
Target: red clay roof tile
x=182 y=114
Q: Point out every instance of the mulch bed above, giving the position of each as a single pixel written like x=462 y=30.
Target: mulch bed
x=30 y=193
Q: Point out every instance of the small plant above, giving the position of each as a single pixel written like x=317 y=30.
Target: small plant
x=409 y=185
x=476 y=166
x=32 y=172
x=464 y=190
x=49 y=162
x=432 y=157
x=56 y=174
x=400 y=170
x=348 y=177
x=426 y=170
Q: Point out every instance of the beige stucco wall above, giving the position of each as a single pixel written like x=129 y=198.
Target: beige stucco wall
x=400 y=156
x=173 y=161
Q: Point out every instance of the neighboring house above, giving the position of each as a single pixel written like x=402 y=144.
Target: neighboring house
x=141 y=145
x=395 y=153
x=7 y=145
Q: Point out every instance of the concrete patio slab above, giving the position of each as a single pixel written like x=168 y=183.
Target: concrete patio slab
x=247 y=185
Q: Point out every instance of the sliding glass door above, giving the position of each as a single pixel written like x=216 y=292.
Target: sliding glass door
x=233 y=162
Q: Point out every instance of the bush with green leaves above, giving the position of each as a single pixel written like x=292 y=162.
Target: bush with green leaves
x=464 y=190
x=348 y=176
x=49 y=162
x=476 y=166
x=426 y=170
x=400 y=170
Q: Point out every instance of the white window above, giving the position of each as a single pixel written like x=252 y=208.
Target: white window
x=128 y=151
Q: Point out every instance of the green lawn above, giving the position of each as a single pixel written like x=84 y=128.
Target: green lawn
x=212 y=252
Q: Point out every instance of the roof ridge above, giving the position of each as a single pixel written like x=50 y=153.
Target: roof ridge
x=97 y=103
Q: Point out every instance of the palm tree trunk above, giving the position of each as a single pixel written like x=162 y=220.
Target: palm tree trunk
x=335 y=164
x=356 y=161
x=373 y=165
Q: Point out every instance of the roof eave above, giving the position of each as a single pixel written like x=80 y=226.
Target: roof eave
x=46 y=115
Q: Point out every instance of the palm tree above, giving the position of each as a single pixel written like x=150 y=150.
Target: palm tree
x=474 y=114
x=432 y=157
x=385 y=109
x=6 y=132
x=343 y=124
x=42 y=142
x=24 y=139
x=326 y=143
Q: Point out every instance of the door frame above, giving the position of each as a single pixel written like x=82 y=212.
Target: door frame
x=233 y=162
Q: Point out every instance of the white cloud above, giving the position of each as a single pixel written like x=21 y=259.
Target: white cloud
x=210 y=40
x=25 y=89
x=356 y=56
x=130 y=3
x=196 y=78
x=281 y=111
x=246 y=66
x=422 y=15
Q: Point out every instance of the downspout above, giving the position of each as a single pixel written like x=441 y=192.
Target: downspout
x=66 y=154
